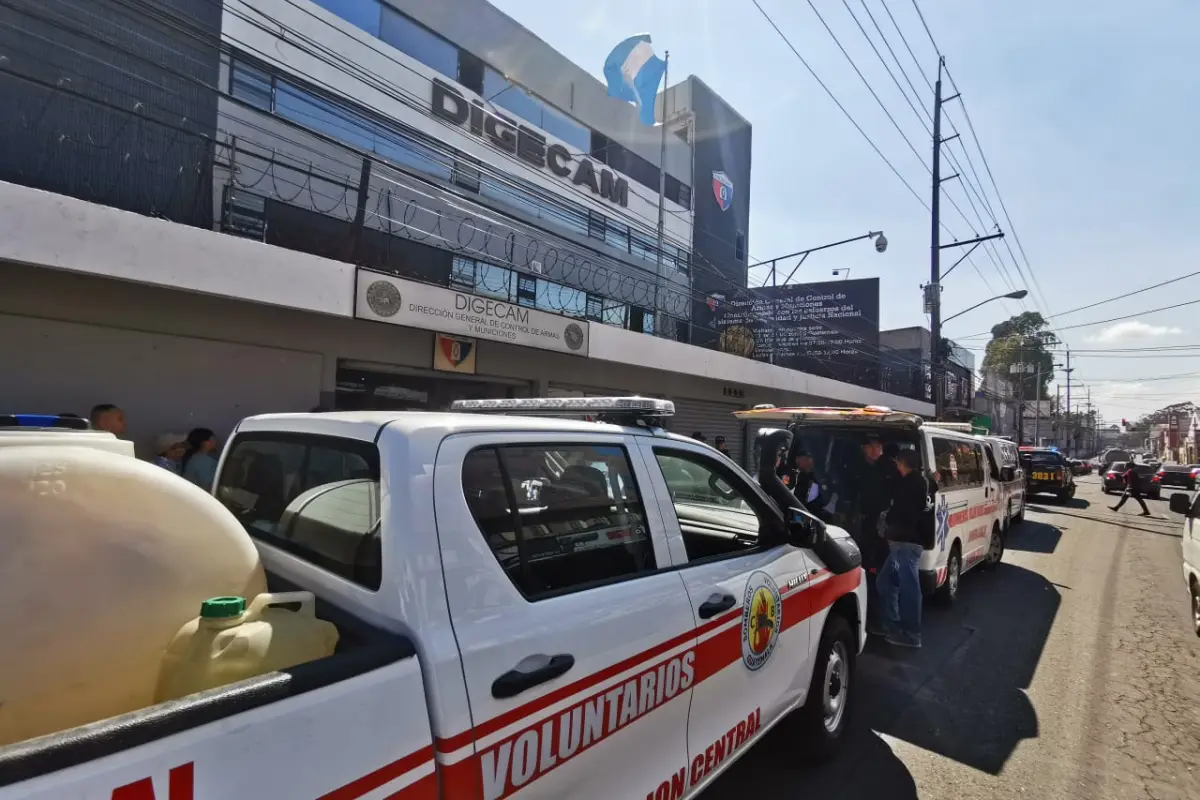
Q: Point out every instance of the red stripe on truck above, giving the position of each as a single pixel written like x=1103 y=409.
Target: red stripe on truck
x=379 y=777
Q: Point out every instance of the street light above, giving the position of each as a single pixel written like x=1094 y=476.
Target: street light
x=1019 y=294
x=881 y=245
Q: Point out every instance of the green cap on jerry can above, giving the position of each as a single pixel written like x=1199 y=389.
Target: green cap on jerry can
x=222 y=607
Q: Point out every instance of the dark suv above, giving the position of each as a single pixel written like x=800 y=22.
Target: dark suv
x=1047 y=472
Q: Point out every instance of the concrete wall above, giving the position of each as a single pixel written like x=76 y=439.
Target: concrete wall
x=55 y=233
x=176 y=360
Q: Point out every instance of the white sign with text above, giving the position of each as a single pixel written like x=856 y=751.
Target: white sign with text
x=384 y=298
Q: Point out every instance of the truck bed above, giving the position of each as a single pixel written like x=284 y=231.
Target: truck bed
x=35 y=768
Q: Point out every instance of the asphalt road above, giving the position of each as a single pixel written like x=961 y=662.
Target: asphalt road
x=1071 y=671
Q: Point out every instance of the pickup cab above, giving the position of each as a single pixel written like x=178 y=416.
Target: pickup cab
x=528 y=606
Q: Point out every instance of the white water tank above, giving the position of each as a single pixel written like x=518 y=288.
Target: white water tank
x=102 y=559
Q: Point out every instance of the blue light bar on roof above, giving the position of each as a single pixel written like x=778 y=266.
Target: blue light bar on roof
x=42 y=421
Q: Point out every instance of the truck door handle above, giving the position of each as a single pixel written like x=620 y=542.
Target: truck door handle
x=715 y=604
x=530 y=672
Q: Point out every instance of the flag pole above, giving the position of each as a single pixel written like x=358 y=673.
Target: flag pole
x=662 y=186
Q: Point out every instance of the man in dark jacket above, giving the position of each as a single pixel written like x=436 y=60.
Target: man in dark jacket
x=899 y=581
x=874 y=482
x=1133 y=488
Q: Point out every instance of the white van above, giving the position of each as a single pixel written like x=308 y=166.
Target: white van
x=970 y=507
x=1011 y=479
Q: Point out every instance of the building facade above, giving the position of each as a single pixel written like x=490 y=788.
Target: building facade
x=263 y=206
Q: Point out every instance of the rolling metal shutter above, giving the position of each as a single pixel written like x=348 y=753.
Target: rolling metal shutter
x=713 y=420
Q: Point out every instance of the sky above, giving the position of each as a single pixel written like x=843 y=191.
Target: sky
x=1084 y=109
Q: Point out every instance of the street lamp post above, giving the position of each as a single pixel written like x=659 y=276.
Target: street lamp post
x=934 y=301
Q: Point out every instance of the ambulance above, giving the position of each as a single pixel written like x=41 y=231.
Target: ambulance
x=970 y=507
x=537 y=598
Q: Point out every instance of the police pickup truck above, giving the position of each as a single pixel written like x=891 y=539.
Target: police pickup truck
x=529 y=605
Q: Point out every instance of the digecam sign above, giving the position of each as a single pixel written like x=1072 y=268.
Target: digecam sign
x=527 y=144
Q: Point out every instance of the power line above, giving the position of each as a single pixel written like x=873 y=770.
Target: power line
x=926 y=26
x=838 y=103
x=1113 y=299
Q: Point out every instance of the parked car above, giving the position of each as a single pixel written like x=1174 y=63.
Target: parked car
x=1178 y=475
x=1189 y=506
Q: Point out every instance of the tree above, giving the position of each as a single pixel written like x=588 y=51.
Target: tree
x=1022 y=340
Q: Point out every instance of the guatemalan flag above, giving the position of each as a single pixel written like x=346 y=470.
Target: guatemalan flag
x=633 y=73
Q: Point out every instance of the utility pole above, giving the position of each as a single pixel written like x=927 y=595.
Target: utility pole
x=1058 y=411
x=935 y=251
x=1070 y=430
x=1037 y=408
x=933 y=290
x=1091 y=421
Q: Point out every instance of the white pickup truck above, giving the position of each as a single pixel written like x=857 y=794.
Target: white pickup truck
x=529 y=606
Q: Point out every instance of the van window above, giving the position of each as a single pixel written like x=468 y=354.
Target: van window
x=316 y=497
x=559 y=517
x=960 y=463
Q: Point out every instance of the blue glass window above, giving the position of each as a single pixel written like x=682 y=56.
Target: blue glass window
x=252 y=86
x=360 y=13
x=512 y=98
x=407 y=153
x=615 y=313
x=560 y=299
x=425 y=46
x=462 y=273
x=557 y=124
x=323 y=116
x=494 y=281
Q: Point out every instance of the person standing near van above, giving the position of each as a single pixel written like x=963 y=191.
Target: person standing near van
x=899 y=581
x=1133 y=488
x=876 y=479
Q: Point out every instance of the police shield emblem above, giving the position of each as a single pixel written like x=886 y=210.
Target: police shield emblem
x=722 y=190
x=453 y=354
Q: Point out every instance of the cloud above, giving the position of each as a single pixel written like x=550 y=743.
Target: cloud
x=1132 y=330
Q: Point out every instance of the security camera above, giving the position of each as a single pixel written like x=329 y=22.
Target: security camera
x=880 y=243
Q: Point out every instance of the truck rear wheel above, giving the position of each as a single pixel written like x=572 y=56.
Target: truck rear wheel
x=823 y=719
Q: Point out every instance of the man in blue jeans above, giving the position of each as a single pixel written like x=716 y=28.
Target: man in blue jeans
x=898 y=582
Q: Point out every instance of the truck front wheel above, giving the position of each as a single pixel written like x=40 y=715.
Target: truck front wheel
x=823 y=719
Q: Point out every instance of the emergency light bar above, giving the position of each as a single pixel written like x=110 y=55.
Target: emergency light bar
x=961 y=427
x=606 y=407
x=42 y=421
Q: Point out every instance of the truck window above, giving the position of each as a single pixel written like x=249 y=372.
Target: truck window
x=316 y=497
x=559 y=517
x=715 y=517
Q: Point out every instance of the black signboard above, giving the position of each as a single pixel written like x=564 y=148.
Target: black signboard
x=829 y=329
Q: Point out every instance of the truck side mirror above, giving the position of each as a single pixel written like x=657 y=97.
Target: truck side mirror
x=1181 y=503
x=803 y=529
x=1008 y=474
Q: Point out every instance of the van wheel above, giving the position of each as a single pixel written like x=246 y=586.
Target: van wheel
x=1020 y=517
x=823 y=720
x=1195 y=606
x=947 y=593
x=995 y=548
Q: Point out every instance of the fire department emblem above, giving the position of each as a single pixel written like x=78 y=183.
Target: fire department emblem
x=722 y=190
x=762 y=616
x=383 y=298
